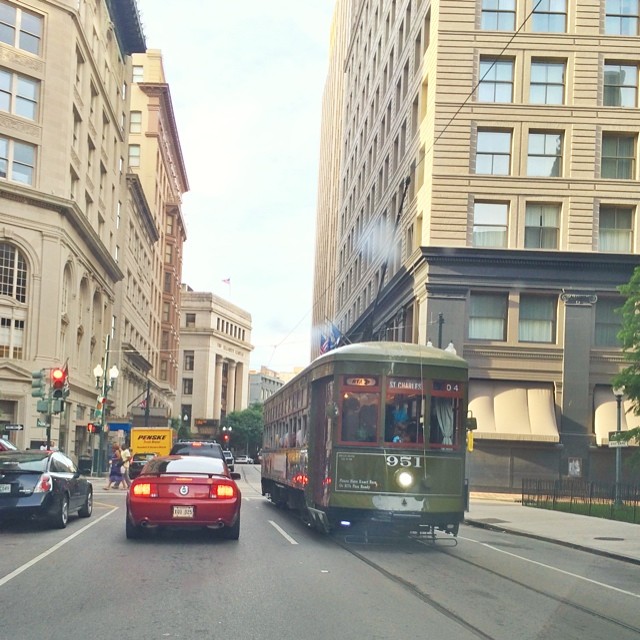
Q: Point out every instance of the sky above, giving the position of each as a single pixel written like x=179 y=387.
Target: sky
x=246 y=81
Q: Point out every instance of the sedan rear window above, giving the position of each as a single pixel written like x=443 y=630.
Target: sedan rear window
x=186 y=465
x=19 y=461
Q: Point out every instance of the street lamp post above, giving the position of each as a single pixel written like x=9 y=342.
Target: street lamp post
x=105 y=379
x=618 y=392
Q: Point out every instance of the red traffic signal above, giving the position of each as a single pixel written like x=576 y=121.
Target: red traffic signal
x=59 y=383
x=58 y=378
x=225 y=437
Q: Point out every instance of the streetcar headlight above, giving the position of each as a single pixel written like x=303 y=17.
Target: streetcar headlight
x=404 y=479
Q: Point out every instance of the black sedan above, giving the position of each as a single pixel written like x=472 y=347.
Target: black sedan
x=42 y=484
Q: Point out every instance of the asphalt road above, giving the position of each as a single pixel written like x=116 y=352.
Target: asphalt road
x=282 y=580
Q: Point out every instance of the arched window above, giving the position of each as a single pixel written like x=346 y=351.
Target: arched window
x=13 y=296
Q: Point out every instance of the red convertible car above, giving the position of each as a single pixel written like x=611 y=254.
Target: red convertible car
x=184 y=491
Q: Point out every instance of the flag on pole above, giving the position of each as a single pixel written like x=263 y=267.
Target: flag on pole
x=325 y=344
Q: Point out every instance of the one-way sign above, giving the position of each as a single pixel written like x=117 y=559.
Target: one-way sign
x=13 y=427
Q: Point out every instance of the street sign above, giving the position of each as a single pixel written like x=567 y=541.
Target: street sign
x=41 y=423
x=617 y=443
x=13 y=427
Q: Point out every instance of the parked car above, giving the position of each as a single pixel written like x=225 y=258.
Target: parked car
x=5 y=445
x=244 y=460
x=42 y=484
x=184 y=491
x=228 y=458
x=137 y=462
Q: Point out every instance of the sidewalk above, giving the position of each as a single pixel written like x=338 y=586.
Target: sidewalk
x=619 y=540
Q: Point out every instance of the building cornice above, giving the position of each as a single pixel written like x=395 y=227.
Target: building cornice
x=161 y=90
x=127 y=26
x=137 y=193
x=78 y=221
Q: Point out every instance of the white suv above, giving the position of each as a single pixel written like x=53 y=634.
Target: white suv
x=228 y=458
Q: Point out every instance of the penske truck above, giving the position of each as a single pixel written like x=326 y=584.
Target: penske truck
x=158 y=440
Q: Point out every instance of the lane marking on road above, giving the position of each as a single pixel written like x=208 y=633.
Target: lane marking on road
x=547 y=566
x=282 y=532
x=42 y=556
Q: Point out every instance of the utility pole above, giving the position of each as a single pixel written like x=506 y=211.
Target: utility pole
x=146 y=404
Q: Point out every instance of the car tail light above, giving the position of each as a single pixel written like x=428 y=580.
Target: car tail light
x=44 y=484
x=145 y=490
x=222 y=491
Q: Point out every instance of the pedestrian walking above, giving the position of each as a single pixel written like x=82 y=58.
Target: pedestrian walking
x=115 y=471
x=126 y=455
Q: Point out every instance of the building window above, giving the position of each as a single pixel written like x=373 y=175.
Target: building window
x=164 y=366
x=493 y=153
x=138 y=73
x=190 y=319
x=618 y=156
x=620 y=85
x=13 y=285
x=169 y=225
x=20 y=28
x=621 y=18
x=135 y=122
x=19 y=94
x=608 y=322
x=187 y=386
x=541 y=226
x=545 y=154
x=496 y=80
x=490 y=224
x=549 y=16
x=134 y=155
x=537 y=319
x=546 y=85
x=616 y=229
x=499 y=15
x=168 y=281
x=189 y=360
x=13 y=273
x=487 y=317
x=17 y=160
x=166 y=312
x=168 y=254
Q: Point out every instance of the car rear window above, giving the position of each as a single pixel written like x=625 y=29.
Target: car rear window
x=20 y=461
x=209 y=449
x=185 y=466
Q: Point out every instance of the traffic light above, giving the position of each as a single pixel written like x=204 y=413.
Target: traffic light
x=38 y=384
x=225 y=437
x=93 y=428
x=58 y=383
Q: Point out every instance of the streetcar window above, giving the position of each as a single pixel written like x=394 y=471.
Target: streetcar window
x=442 y=420
x=359 y=417
x=404 y=418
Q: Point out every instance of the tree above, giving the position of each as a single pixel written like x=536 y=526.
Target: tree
x=247 y=426
x=629 y=337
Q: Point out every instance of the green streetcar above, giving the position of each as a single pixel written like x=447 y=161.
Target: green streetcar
x=371 y=435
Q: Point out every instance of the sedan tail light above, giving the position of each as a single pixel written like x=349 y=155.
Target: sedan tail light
x=145 y=490
x=222 y=491
x=44 y=484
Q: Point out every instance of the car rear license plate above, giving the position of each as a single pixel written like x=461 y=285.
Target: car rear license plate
x=183 y=512
x=5 y=488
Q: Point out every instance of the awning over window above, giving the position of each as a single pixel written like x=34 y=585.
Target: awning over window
x=513 y=410
x=606 y=415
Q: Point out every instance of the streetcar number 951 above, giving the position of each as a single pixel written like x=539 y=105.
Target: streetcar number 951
x=404 y=461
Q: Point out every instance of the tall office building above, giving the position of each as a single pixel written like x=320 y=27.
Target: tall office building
x=158 y=180
x=488 y=197
x=65 y=69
